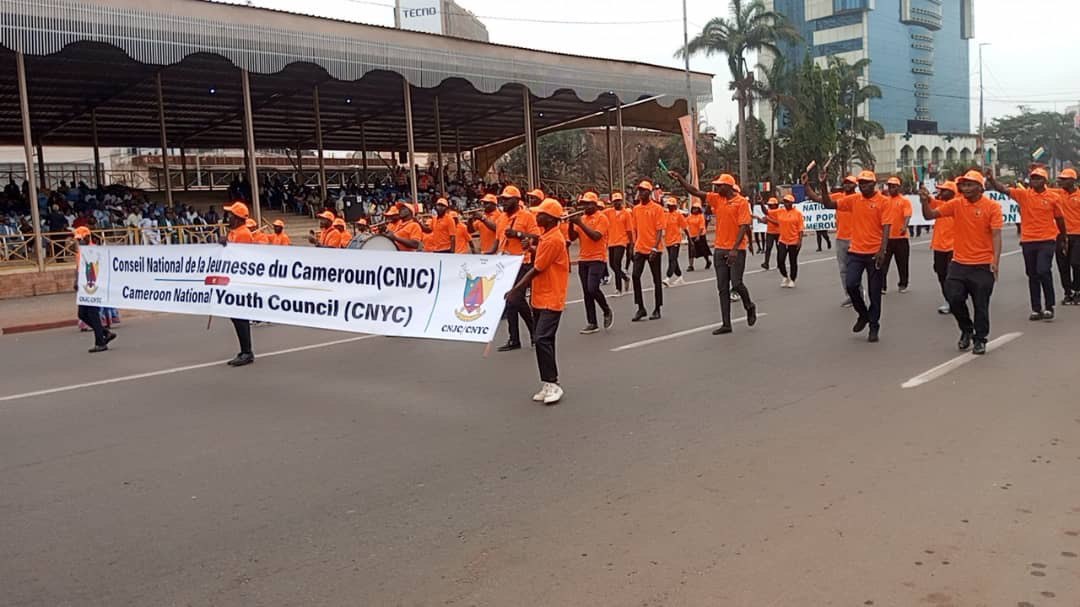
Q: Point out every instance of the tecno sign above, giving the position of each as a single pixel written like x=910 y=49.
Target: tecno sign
x=420 y=15
x=415 y=13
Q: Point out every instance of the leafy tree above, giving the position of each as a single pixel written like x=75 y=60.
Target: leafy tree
x=855 y=131
x=1019 y=135
x=778 y=89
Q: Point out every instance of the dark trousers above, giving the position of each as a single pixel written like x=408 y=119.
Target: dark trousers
x=728 y=279
x=653 y=259
x=822 y=235
x=243 y=334
x=615 y=258
x=699 y=247
x=770 y=240
x=91 y=315
x=899 y=248
x=1038 y=262
x=942 y=259
x=859 y=263
x=785 y=253
x=629 y=255
x=590 y=273
x=673 y=261
x=516 y=306
x=1068 y=264
x=547 y=325
x=976 y=282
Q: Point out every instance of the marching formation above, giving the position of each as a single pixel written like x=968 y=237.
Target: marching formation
x=873 y=228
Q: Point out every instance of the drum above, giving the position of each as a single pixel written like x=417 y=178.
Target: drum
x=372 y=242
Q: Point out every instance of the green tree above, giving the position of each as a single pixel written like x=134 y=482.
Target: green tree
x=813 y=134
x=1019 y=135
x=751 y=28
x=855 y=131
x=778 y=89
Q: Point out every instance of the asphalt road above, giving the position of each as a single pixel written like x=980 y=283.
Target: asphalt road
x=779 y=465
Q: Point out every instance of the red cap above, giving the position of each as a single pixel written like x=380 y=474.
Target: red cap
x=974 y=176
x=724 y=179
x=549 y=206
x=239 y=209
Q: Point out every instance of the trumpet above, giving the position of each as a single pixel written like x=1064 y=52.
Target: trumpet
x=572 y=215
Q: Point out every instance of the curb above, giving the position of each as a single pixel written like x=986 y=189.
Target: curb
x=41 y=326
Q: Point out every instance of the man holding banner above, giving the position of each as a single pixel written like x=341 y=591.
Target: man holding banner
x=240 y=234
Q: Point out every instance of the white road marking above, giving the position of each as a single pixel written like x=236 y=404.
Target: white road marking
x=670 y=336
x=126 y=378
x=951 y=365
x=1011 y=253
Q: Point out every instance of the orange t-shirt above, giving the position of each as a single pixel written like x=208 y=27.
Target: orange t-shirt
x=589 y=249
x=867 y=219
x=792 y=225
x=339 y=239
x=241 y=235
x=619 y=227
x=648 y=221
x=1070 y=210
x=553 y=272
x=442 y=229
x=944 y=228
x=673 y=229
x=730 y=216
x=897 y=215
x=843 y=219
x=520 y=221
x=280 y=239
x=324 y=237
x=771 y=228
x=487 y=235
x=260 y=237
x=409 y=230
x=1037 y=213
x=564 y=227
x=461 y=245
x=973 y=229
x=695 y=224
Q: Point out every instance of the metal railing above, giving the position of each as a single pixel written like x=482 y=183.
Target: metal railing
x=59 y=247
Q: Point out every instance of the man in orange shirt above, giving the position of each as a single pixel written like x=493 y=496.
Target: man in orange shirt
x=487 y=224
x=843 y=226
x=772 y=232
x=326 y=221
x=791 y=224
x=1041 y=223
x=258 y=236
x=619 y=238
x=339 y=237
x=591 y=231
x=942 y=241
x=279 y=237
x=698 y=243
x=648 y=222
x=674 y=230
x=976 y=256
x=549 y=276
x=733 y=229
x=406 y=233
x=516 y=228
x=240 y=234
x=1069 y=254
x=463 y=244
x=898 y=215
x=442 y=230
x=869 y=237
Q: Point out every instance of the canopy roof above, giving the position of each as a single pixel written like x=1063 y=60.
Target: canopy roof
x=100 y=60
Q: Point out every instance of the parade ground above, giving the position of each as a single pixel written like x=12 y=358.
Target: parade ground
x=784 y=464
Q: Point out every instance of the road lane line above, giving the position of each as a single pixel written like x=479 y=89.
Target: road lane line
x=951 y=365
x=670 y=336
x=1011 y=253
x=126 y=378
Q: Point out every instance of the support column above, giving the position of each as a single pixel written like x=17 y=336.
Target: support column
x=164 y=142
x=299 y=168
x=438 y=149
x=183 y=169
x=363 y=156
x=530 y=151
x=41 y=166
x=319 y=144
x=28 y=150
x=457 y=145
x=198 y=172
x=607 y=137
x=249 y=147
x=97 y=150
x=407 y=92
x=622 y=149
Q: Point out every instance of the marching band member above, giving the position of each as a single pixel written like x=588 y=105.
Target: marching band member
x=279 y=237
x=239 y=233
x=406 y=233
x=648 y=221
x=591 y=231
x=486 y=225
x=442 y=230
x=515 y=227
x=339 y=237
x=326 y=221
x=463 y=244
x=258 y=235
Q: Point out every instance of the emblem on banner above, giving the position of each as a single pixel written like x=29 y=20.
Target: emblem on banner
x=477 y=289
x=90 y=265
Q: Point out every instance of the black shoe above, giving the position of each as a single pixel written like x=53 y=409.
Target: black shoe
x=508 y=346
x=1068 y=301
x=109 y=337
x=689 y=268
x=655 y=315
x=708 y=266
x=860 y=325
x=97 y=349
x=722 y=330
x=964 y=343
x=589 y=330
x=764 y=266
x=243 y=358
x=979 y=349
x=873 y=338
x=751 y=315
x=609 y=319
x=1048 y=314
x=639 y=315
x=1034 y=316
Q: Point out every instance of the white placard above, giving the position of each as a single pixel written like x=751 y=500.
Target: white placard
x=421 y=15
x=818 y=217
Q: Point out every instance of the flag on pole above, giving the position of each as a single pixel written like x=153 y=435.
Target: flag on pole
x=687 y=124
x=1039 y=153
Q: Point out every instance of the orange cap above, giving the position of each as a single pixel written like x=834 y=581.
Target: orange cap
x=279 y=223
x=327 y=215
x=974 y=176
x=442 y=201
x=339 y=222
x=392 y=211
x=671 y=201
x=251 y=223
x=1039 y=172
x=773 y=200
x=361 y=222
x=510 y=192
x=616 y=196
x=1067 y=174
x=536 y=193
x=589 y=197
x=724 y=179
x=490 y=198
x=239 y=209
x=948 y=185
x=894 y=181
x=737 y=188
x=82 y=232
x=789 y=198
x=645 y=184
x=851 y=179
x=867 y=176
x=696 y=204
x=601 y=203
x=549 y=206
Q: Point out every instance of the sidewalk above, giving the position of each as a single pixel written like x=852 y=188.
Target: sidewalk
x=44 y=312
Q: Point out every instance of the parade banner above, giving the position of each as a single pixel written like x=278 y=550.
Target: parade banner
x=438 y=296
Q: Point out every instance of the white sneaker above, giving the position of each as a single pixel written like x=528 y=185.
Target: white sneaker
x=783 y=283
x=944 y=308
x=679 y=280
x=734 y=296
x=791 y=284
x=554 y=394
x=542 y=394
x=617 y=293
x=667 y=282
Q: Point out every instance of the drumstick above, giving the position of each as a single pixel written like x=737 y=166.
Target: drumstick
x=209 y=319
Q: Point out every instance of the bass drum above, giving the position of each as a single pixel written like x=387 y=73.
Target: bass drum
x=372 y=242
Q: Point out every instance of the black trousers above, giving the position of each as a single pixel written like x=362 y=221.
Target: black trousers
x=786 y=253
x=1038 y=262
x=243 y=334
x=629 y=255
x=653 y=259
x=728 y=279
x=615 y=258
x=91 y=315
x=516 y=306
x=822 y=235
x=590 y=273
x=770 y=240
x=547 y=325
x=899 y=248
x=1069 y=265
x=976 y=282
x=673 y=261
x=942 y=259
x=859 y=263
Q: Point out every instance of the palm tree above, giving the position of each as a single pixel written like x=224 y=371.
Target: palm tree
x=778 y=90
x=855 y=130
x=751 y=28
